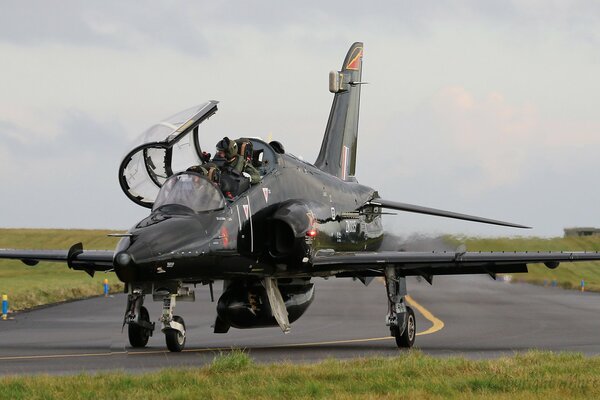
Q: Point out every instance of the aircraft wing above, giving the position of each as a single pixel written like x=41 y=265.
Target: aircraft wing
x=76 y=258
x=428 y=264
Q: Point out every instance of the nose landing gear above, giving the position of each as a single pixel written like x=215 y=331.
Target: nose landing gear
x=173 y=326
x=174 y=337
x=138 y=319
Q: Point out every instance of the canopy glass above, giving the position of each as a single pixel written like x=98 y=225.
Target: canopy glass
x=169 y=146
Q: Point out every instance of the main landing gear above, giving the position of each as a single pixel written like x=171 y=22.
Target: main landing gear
x=400 y=318
x=173 y=326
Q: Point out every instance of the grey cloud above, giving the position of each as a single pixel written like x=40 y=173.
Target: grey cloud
x=68 y=181
x=186 y=25
x=81 y=134
x=81 y=130
x=114 y=24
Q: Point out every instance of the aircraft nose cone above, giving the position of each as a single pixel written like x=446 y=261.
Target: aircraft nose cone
x=164 y=243
x=172 y=234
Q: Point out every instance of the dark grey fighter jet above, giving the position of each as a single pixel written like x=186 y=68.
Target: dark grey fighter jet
x=268 y=241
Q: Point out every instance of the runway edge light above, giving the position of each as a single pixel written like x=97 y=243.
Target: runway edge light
x=4 y=307
x=105 y=287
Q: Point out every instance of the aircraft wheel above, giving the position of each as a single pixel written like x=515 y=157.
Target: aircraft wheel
x=407 y=338
x=138 y=335
x=175 y=340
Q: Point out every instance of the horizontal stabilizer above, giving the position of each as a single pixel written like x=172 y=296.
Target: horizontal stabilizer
x=440 y=213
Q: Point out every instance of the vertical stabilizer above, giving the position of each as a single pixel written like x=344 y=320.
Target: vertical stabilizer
x=338 y=150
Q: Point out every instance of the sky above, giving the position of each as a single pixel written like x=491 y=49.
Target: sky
x=485 y=108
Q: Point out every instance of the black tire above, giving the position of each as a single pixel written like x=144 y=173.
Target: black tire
x=175 y=340
x=407 y=339
x=138 y=335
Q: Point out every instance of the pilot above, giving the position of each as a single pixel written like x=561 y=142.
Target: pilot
x=227 y=157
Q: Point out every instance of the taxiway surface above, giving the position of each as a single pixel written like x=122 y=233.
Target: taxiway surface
x=474 y=317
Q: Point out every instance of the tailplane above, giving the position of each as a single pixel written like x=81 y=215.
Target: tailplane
x=338 y=150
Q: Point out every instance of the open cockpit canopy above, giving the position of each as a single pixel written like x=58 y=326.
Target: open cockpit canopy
x=168 y=146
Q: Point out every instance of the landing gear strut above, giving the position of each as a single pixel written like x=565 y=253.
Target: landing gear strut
x=136 y=316
x=138 y=320
x=400 y=318
x=173 y=326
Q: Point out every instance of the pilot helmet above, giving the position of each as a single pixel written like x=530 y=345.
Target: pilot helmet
x=198 y=169
x=228 y=146
x=213 y=172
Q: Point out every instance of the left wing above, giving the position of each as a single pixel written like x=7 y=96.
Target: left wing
x=76 y=258
x=428 y=264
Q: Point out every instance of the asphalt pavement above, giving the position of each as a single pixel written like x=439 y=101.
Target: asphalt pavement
x=471 y=316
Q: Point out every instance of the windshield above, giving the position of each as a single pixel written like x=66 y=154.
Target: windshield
x=190 y=190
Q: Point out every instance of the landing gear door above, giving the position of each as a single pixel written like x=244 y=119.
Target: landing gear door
x=167 y=147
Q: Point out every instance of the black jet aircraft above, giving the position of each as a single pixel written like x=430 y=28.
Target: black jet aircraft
x=267 y=243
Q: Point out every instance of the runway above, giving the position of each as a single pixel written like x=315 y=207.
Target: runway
x=471 y=316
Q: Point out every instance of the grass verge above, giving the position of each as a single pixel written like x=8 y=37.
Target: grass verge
x=47 y=283
x=533 y=375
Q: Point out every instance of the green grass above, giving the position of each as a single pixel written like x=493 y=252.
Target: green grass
x=533 y=375
x=235 y=360
x=568 y=275
x=51 y=282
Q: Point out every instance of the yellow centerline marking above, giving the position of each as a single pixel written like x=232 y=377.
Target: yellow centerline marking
x=437 y=324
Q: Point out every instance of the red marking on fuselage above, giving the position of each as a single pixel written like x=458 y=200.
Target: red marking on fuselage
x=225 y=236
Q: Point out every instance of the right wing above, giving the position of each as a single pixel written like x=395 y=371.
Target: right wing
x=428 y=264
x=76 y=258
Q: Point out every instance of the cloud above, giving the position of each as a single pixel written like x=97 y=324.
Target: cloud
x=487 y=142
x=470 y=103
x=486 y=154
x=196 y=28
x=72 y=174
x=495 y=136
x=121 y=25
x=27 y=124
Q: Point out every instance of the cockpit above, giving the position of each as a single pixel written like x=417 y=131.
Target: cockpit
x=191 y=191
x=173 y=146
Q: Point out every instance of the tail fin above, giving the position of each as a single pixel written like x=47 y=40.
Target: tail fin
x=338 y=150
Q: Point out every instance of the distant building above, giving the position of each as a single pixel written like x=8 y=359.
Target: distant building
x=569 y=232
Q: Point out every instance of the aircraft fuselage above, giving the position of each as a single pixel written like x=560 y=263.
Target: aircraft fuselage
x=272 y=229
